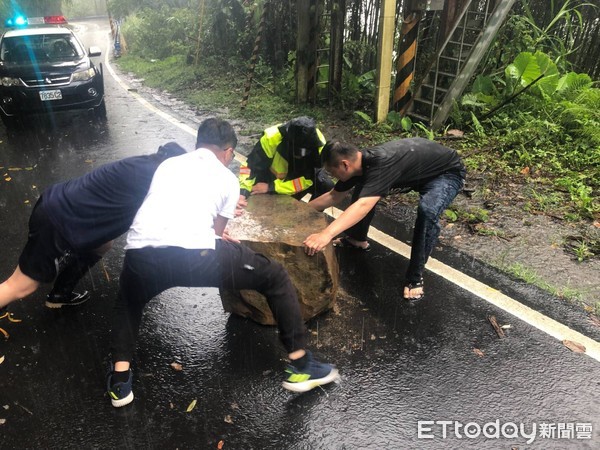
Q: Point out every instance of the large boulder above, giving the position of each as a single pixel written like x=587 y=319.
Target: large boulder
x=276 y=226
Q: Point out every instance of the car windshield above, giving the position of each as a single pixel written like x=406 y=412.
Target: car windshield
x=40 y=48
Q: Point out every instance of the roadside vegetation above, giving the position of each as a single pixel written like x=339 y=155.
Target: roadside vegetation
x=531 y=118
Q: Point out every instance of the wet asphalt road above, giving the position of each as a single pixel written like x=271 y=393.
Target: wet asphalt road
x=400 y=363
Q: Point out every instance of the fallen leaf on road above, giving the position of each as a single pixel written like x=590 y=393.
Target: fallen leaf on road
x=10 y=319
x=1 y=359
x=4 y=332
x=478 y=352
x=228 y=419
x=2 y=421
x=574 y=346
x=597 y=223
x=220 y=445
x=595 y=321
x=455 y=133
x=494 y=322
x=506 y=327
x=105 y=272
x=7 y=179
x=176 y=366
x=525 y=171
x=192 y=406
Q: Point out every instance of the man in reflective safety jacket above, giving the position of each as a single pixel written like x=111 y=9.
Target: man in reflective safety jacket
x=286 y=160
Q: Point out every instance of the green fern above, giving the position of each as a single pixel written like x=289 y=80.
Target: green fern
x=572 y=84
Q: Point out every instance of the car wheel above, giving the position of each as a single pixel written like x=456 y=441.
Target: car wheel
x=100 y=111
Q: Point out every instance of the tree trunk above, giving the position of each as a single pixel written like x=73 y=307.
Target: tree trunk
x=302 y=50
x=338 y=13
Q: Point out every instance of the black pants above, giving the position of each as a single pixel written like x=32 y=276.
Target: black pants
x=48 y=256
x=149 y=271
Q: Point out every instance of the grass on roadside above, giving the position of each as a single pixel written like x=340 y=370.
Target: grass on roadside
x=529 y=276
x=202 y=87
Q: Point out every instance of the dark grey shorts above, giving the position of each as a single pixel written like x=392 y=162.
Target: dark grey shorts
x=45 y=252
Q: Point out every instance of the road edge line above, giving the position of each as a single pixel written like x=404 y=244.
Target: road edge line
x=528 y=315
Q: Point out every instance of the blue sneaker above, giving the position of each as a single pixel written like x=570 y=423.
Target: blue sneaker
x=314 y=374
x=120 y=393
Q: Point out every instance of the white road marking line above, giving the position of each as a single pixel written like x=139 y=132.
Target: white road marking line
x=528 y=315
x=549 y=326
x=144 y=102
x=240 y=158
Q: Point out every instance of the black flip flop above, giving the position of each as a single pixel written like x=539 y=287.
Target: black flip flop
x=344 y=242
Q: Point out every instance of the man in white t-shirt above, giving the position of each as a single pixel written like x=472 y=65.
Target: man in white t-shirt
x=173 y=241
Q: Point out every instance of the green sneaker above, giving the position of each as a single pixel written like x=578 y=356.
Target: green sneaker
x=120 y=393
x=314 y=374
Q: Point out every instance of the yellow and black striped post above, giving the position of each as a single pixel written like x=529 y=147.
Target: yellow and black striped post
x=405 y=64
x=255 y=51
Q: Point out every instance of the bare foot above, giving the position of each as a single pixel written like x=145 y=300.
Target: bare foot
x=414 y=291
x=348 y=242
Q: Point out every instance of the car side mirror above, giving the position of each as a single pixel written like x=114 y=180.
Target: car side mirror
x=95 y=51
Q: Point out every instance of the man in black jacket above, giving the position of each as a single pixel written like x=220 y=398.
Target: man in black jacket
x=74 y=223
x=434 y=171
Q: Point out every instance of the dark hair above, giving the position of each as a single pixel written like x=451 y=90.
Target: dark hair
x=217 y=132
x=334 y=151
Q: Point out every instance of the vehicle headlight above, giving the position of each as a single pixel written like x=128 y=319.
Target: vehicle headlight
x=84 y=75
x=8 y=81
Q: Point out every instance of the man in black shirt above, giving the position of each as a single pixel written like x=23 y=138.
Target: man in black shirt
x=73 y=224
x=431 y=169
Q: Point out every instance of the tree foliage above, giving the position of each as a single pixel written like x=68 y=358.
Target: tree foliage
x=31 y=7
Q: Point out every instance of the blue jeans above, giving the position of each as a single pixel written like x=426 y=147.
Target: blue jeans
x=436 y=196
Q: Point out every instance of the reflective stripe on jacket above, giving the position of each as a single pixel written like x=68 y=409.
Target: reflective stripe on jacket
x=267 y=165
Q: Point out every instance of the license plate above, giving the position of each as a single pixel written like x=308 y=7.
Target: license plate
x=51 y=95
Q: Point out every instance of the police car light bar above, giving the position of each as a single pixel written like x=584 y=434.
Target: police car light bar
x=21 y=21
x=16 y=21
x=55 y=20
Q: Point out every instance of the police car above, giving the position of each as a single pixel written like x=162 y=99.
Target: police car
x=45 y=68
